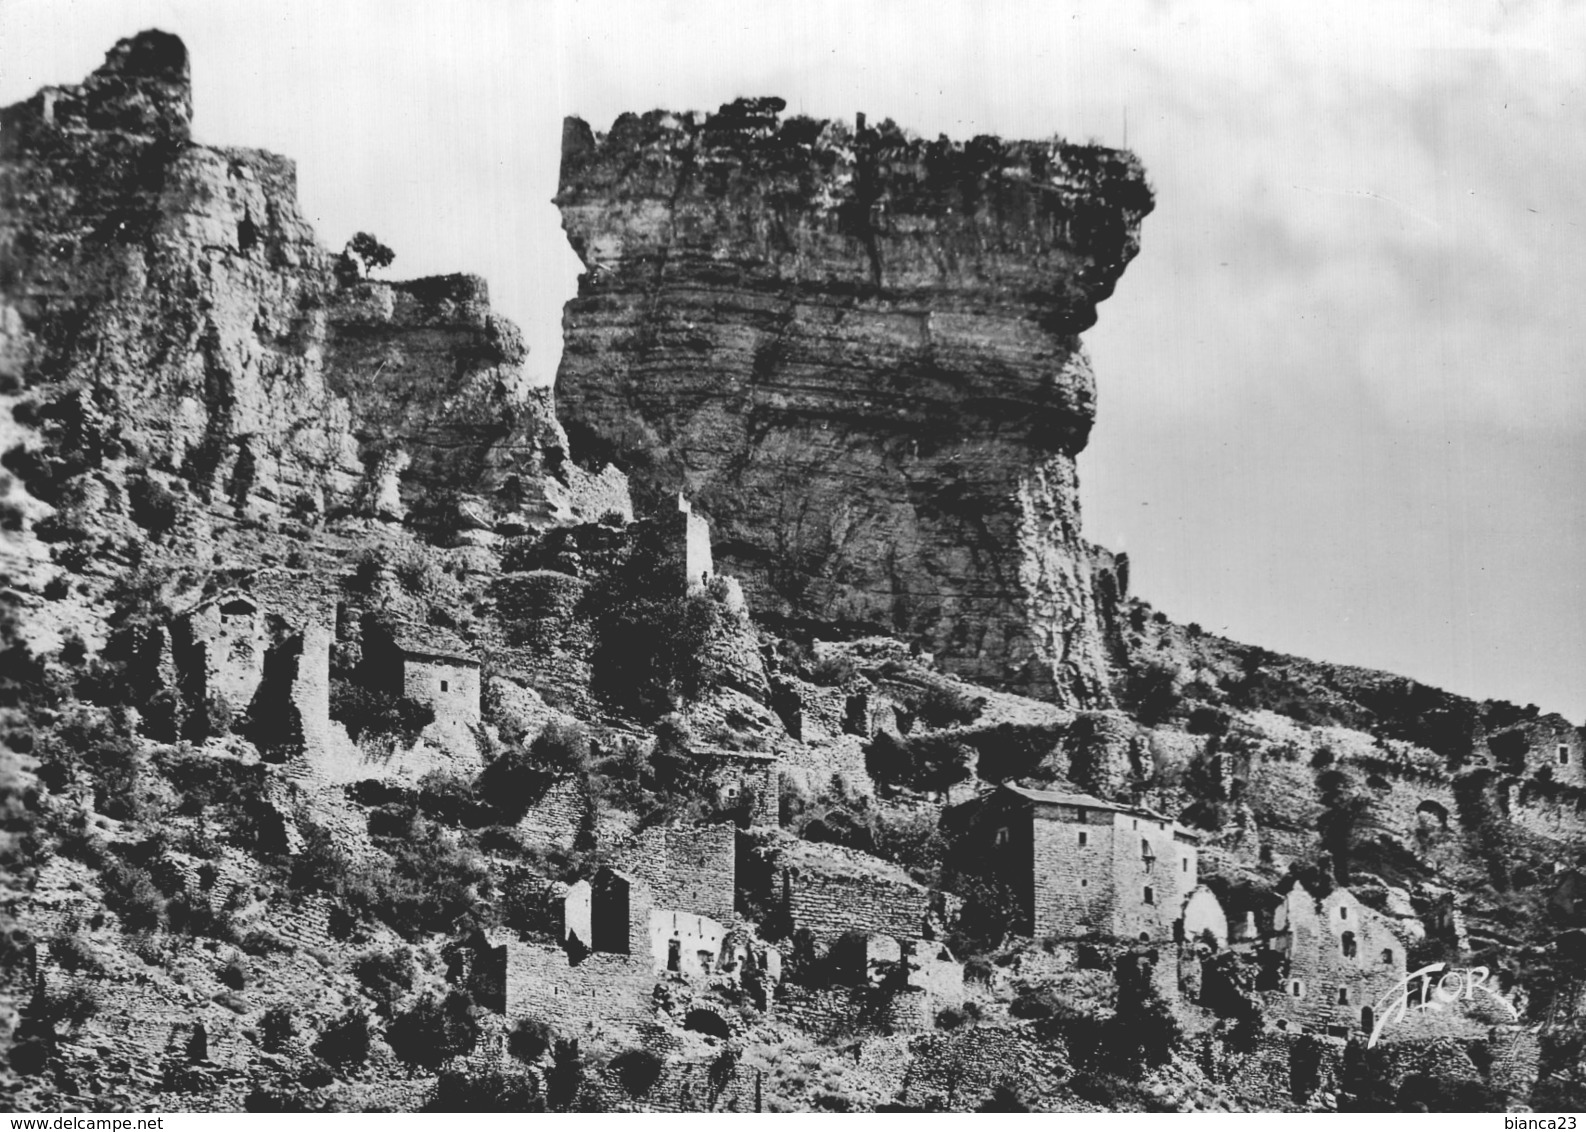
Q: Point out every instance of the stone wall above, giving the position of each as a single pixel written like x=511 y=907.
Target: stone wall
x=717 y=1084
x=1152 y=872
x=828 y=1013
x=735 y=772
x=1343 y=960
x=602 y=990
x=556 y=817
x=221 y=647
x=451 y=687
x=685 y=943
x=690 y=868
x=958 y=1071
x=828 y=903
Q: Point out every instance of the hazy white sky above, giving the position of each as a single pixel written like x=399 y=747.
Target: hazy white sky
x=1341 y=400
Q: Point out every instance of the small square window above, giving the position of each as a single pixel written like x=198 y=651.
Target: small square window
x=1002 y=835
x=1343 y=913
x=1084 y=838
x=445 y=686
x=1084 y=884
x=1150 y=895
x=1563 y=754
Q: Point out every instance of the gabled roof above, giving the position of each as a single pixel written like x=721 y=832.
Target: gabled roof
x=1090 y=802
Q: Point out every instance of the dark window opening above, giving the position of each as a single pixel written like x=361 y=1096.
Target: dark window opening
x=1563 y=755
x=445 y=687
x=1343 y=996
x=1387 y=955
x=674 y=954
x=1349 y=945
x=1150 y=895
x=247 y=233
x=1084 y=838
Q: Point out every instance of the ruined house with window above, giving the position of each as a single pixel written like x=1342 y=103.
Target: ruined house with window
x=425 y=663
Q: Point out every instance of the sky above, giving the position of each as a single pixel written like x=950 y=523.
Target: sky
x=1341 y=400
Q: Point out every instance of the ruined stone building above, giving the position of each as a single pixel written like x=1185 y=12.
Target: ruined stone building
x=219 y=649
x=734 y=774
x=1341 y=957
x=425 y=663
x=1082 y=866
x=615 y=943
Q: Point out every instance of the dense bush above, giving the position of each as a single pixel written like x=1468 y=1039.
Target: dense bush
x=372 y=711
x=386 y=976
x=519 y=776
x=1154 y=691
x=637 y=1070
x=276 y=1028
x=344 y=1043
x=991 y=912
x=833 y=669
x=529 y=1040
x=153 y=506
x=927 y=763
x=947 y=706
x=649 y=648
x=432 y=1033
x=485 y=1090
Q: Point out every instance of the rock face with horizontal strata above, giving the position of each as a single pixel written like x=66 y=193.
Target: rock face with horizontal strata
x=858 y=353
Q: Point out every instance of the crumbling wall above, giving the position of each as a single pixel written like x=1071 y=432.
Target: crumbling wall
x=716 y=1084
x=602 y=989
x=557 y=815
x=829 y=905
x=1344 y=960
x=696 y=941
x=828 y=1013
x=693 y=869
x=958 y=1071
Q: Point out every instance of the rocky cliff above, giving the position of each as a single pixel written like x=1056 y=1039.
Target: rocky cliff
x=859 y=353
x=169 y=324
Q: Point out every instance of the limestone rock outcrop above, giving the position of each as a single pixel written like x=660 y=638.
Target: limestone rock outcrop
x=167 y=315
x=859 y=354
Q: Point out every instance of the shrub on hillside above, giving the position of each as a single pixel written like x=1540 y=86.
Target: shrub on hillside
x=637 y=1070
x=344 y=1044
x=530 y=1040
x=276 y=1028
x=520 y=776
x=432 y=1032
x=373 y=711
x=947 y=706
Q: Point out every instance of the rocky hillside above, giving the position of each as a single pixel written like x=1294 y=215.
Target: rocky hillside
x=194 y=360
x=859 y=352
x=368 y=743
